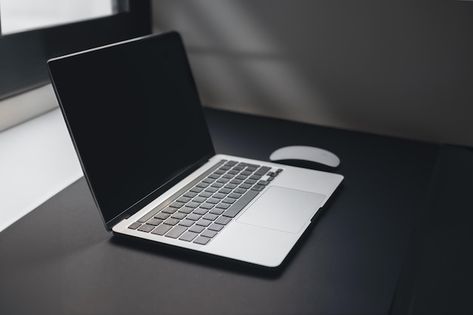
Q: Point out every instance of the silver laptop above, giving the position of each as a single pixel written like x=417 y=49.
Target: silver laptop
x=135 y=118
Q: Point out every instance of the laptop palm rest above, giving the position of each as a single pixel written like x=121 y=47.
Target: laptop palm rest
x=283 y=209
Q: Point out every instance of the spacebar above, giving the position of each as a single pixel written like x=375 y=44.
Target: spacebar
x=240 y=203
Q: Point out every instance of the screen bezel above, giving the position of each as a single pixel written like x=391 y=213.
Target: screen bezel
x=145 y=200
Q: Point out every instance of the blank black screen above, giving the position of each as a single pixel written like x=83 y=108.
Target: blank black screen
x=135 y=117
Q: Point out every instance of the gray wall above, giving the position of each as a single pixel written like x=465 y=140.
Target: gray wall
x=394 y=67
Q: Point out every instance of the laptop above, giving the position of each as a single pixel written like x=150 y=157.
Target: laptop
x=135 y=118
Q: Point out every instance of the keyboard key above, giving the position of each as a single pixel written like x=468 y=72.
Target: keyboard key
x=207 y=206
x=196 y=189
x=231 y=163
x=186 y=210
x=245 y=173
x=258 y=187
x=200 y=211
x=262 y=170
x=186 y=223
x=209 y=233
x=217 y=185
x=221 y=181
x=227 y=176
x=234 y=195
x=216 y=211
x=193 y=204
x=188 y=236
x=169 y=210
x=209 y=216
x=162 y=216
x=223 y=205
x=223 y=220
x=171 y=221
x=176 y=231
x=240 y=204
x=199 y=199
x=154 y=221
x=146 y=228
x=190 y=194
x=202 y=240
x=228 y=200
x=240 y=177
x=211 y=190
x=224 y=190
x=176 y=204
x=263 y=182
x=213 y=201
x=219 y=172
x=236 y=182
x=202 y=185
x=161 y=229
x=134 y=225
x=245 y=186
x=196 y=229
x=232 y=172
x=178 y=215
x=250 y=181
x=194 y=217
x=203 y=222
x=240 y=191
x=279 y=170
x=183 y=199
x=230 y=186
x=219 y=196
x=205 y=194
x=255 y=177
x=208 y=180
x=214 y=176
x=215 y=227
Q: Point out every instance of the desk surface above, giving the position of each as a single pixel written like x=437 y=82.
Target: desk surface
x=60 y=260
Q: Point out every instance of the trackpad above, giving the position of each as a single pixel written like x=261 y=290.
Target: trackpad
x=283 y=209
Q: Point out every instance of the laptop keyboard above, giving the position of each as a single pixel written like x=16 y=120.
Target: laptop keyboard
x=199 y=211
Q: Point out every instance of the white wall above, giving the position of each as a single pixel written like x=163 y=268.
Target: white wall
x=399 y=68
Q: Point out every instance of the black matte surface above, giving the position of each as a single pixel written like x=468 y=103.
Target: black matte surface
x=437 y=275
x=60 y=260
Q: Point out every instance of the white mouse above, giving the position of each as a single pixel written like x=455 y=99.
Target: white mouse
x=305 y=153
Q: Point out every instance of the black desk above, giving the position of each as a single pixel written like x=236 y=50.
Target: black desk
x=60 y=260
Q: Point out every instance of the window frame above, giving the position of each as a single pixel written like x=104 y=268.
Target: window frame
x=23 y=55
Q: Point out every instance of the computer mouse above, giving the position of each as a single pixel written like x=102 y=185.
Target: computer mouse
x=306 y=157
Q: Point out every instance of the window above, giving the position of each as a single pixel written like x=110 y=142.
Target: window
x=24 y=15
x=32 y=31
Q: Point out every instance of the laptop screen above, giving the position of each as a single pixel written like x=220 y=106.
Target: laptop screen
x=135 y=117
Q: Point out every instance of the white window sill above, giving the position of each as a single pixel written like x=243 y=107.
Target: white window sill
x=37 y=160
